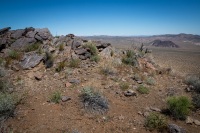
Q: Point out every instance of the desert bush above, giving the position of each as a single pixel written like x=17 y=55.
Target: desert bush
x=48 y=60
x=156 y=122
x=15 y=55
x=32 y=47
x=74 y=63
x=179 y=107
x=61 y=66
x=194 y=81
x=7 y=104
x=2 y=72
x=143 y=90
x=107 y=70
x=93 y=101
x=196 y=101
x=124 y=86
x=55 y=97
x=130 y=58
x=61 y=47
x=150 y=81
x=112 y=53
x=8 y=62
x=4 y=85
x=92 y=47
x=95 y=58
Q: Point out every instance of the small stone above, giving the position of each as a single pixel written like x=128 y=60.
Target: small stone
x=139 y=82
x=155 y=109
x=189 y=120
x=74 y=81
x=146 y=114
x=65 y=98
x=15 y=68
x=56 y=75
x=38 y=76
x=139 y=112
x=130 y=93
x=68 y=84
x=173 y=128
x=197 y=122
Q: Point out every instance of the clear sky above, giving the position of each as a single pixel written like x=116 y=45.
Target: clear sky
x=103 y=17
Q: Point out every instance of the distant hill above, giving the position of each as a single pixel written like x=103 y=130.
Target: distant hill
x=159 y=43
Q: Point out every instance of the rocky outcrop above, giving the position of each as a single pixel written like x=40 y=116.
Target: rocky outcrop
x=159 y=43
x=30 y=60
x=22 y=37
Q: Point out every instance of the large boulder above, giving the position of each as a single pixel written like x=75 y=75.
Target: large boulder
x=30 y=60
x=43 y=34
x=31 y=34
x=173 y=128
x=17 y=33
x=21 y=42
x=4 y=30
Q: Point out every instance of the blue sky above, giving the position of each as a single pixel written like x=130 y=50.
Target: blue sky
x=103 y=17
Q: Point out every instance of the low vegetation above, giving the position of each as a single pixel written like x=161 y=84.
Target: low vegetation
x=7 y=104
x=150 y=81
x=49 y=60
x=74 y=63
x=55 y=97
x=32 y=47
x=143 y=90
x=156 y=122
x=194 y=81
x=130 y=58
x=15 y=55
x=179 y=107
x=61 y=47
x=61 y=66
x=93 y=101
x=124 y=86
x=196 y=100
x=93 y=50
x=107 y=70
x=95 y=58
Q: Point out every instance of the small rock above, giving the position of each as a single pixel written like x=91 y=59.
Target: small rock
x=197 y=122
x=56 y=75
x=74 y=81
x=155 y=109
x=139 y=82
x=15 y=68
x=130 y=93
x=38 y=76
x=189 y=120
x=173 y=128
x=68 y=84
x=146 y=114
x=139 y=112
x=188 y=89
x=65 y=98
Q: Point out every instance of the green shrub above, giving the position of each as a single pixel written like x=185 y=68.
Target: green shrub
x=92 y=47
x=32 y=47
x=93 y=101
x=194 y=81
x=196 y=101
x=74 y=63
x=4 y=85
x=179 y=107
x=156 y=121
x=55 y=97
x=143 y=90
x=130 y=58
x=48 y=60
x=61 y=47
x=95 y=58
x=61 y=66
x=150 y=81
x=107 y=70
x=14 y=55
x=124 y=86
x=112 y=53
x=7 y=104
